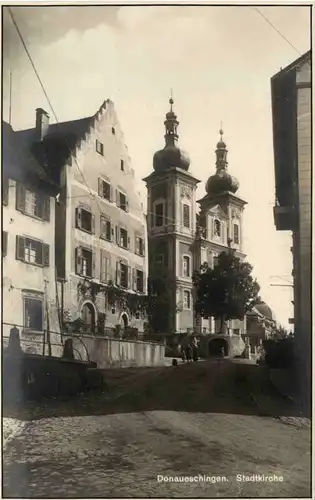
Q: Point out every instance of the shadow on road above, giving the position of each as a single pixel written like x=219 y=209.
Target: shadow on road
x=210 y=386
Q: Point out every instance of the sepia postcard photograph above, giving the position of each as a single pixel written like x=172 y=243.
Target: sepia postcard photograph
x=156 y=241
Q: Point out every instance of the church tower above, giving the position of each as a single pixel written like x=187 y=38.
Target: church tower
x=171 y=205
x=221 y=224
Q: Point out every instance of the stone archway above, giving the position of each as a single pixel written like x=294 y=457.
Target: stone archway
x=215 y=347
x=88 y=317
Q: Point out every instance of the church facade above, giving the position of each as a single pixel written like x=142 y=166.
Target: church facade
x=184 y=232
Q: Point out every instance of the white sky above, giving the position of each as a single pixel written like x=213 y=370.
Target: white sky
x=218 y=60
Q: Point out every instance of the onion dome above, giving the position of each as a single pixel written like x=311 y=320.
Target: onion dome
x=221 y=181
x=265 y=310
x=170 y=156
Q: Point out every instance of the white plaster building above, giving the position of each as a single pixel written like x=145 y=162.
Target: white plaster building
x=100 y=230
x=28 y=250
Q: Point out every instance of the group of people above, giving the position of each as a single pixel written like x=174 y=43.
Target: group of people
x=189 y=350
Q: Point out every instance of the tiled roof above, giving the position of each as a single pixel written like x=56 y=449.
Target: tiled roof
x=17 y=159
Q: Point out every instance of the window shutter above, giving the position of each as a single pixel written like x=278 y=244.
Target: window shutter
x=20 y=197
x=134 y=279
x=78 y=218
x=111 y=194
x=92 y=224
x=5 y=192
x=128 y=242
x=93 y=257
x=129 y=284
x=45 y=255
x=100 y=187
x=117 y=235
x=102 y=266
x=4 y=243
x=117 y=198
x=20 y=248
x=108 y=269
x=78 y=260
x=46 y=208
x=118 y=273
x=137 y=239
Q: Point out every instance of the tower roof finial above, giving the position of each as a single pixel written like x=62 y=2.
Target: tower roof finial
x=171 y=101
x=221 y=130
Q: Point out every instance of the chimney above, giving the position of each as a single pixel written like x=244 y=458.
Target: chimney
x=42 y=123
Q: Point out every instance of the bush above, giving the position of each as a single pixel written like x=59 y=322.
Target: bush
x=280 y=353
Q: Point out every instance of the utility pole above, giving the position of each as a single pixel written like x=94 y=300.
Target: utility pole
x=10 y=97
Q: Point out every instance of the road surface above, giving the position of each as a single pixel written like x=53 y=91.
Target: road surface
x=122 y=445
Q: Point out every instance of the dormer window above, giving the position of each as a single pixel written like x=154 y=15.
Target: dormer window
x=100 y=147
x=217 y=228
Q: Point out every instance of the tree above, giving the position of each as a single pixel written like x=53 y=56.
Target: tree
x=161 y=309
x=228 y=291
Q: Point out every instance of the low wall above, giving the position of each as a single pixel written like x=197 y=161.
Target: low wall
x=33 y=377
x=114 y=353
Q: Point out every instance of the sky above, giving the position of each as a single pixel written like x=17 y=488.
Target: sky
x=218 y=61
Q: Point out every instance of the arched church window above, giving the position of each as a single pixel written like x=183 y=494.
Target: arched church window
x=236 y=235
x=186 y=215
x=217 y=228
x=186 y=266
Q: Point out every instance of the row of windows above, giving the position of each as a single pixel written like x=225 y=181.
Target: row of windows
x=124 y=276
x=106 y=191
x=160 y=218
x=99 y=146
x=28 y=250
x=28 y=202
x=85 y=221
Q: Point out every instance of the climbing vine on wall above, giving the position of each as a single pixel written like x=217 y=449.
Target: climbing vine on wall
x=116 y=296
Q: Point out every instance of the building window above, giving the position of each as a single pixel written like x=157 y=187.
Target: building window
x=139 y=280
x=139 y=246
x=215 y=260
x=186 y=266
x=186 y=215
x=123 y=238
x=99 y=147
x=104 y=189
x=122 y=165
x=33 y=314
x=159 y=215
x=84 y=220
x=217 y=228
x=236 y=233
x=84 y=262
x=5 y=191
x=122 y=201
x=4 y=243
x=32 y=251
x=113 y=131
x=159 y=260
x=106 y=228
x=186 y=299
x=32 y=203
x=123 y=275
